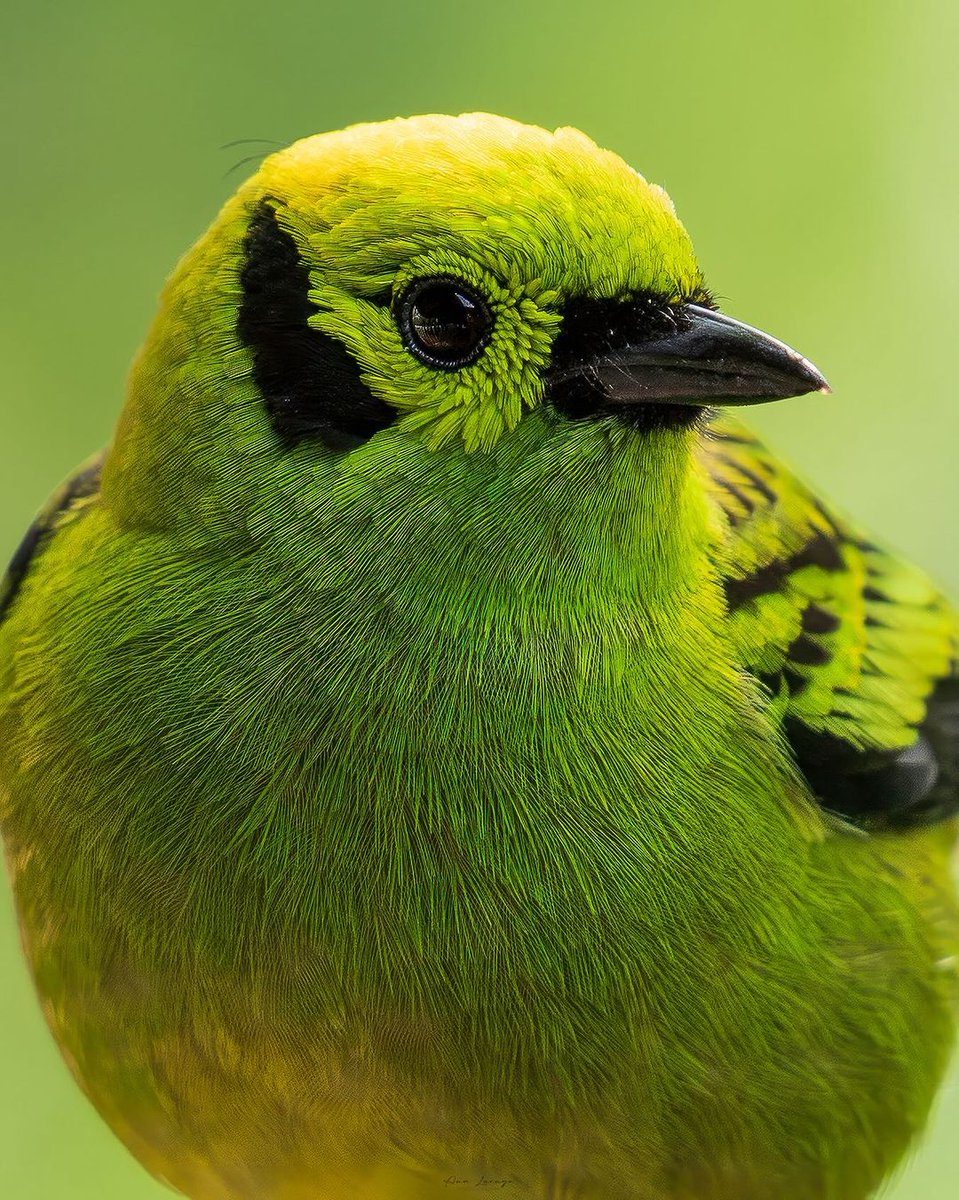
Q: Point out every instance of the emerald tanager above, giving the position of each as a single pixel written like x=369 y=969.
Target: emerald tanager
x=441 y=749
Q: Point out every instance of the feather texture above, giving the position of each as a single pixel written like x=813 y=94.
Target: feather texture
x=857 y=647
x=425 y=804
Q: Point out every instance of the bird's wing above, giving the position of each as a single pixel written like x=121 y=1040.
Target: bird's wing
x=857 y=648
x=78 y=490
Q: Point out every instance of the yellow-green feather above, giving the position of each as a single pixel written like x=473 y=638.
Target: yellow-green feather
x=412 y=811
x=896 y=633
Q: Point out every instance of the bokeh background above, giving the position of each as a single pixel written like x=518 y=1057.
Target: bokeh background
x=810 y=149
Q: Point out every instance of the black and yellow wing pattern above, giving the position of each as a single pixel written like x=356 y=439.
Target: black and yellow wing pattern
x=857 y=647
x=78 y=490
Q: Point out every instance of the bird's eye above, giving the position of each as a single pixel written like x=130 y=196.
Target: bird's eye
x=445 y=322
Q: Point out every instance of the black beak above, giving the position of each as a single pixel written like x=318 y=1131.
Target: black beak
x=700 y=358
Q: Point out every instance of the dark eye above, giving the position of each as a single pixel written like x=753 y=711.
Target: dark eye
x=444 y=322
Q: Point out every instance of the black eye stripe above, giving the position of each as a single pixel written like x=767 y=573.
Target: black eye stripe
x=444 y=321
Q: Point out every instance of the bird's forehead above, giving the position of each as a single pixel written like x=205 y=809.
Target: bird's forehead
x=518 y=200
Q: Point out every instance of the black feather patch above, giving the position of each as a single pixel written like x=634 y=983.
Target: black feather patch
x=820 y=551
x=941 y=731
x=592 y=328
x=310 y=381
x=817 y=620
x=887 y=789
x=85 y=483
x=807 y=653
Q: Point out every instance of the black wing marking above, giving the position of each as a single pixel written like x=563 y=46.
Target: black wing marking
x=82 y=486
x=857 y=647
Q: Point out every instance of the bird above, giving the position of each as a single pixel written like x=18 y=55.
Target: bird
x=443 y=749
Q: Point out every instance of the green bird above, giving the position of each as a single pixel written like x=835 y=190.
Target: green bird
x=440 y=749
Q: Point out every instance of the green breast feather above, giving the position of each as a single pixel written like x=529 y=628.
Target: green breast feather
x=857 y=647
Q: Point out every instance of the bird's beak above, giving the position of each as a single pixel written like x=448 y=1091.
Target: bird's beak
x=707 y=359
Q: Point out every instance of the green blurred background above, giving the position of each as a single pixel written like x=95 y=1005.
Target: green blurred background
x=810 y=148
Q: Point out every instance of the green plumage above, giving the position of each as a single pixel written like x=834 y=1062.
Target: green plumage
x=432 y=806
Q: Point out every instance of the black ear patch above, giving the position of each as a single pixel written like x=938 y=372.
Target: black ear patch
x=310 y=381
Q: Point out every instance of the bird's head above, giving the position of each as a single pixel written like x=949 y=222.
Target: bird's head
x=418 y=295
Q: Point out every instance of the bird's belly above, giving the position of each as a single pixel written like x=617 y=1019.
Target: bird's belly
x=247 y=1114
x=240 y=1110
x=231 y=1089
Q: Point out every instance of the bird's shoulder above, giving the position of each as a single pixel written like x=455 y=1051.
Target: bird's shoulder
x=78 y=492
x=857 y=647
